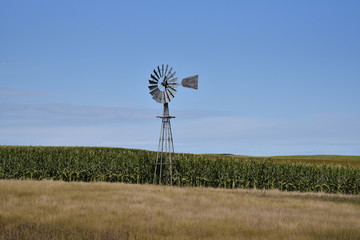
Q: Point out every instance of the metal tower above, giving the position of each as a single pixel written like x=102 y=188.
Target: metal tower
x=165 y=154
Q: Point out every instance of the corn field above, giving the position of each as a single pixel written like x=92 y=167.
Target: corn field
x=137 y=166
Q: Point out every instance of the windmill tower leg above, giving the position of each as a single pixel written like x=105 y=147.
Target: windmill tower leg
x=164 y=159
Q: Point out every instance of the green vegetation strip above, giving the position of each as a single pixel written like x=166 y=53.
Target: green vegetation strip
x=136 y=166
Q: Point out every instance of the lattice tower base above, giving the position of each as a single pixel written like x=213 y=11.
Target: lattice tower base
x=163 y=172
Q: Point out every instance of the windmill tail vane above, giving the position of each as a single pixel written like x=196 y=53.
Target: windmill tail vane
x=190 y=82
x=162 y=86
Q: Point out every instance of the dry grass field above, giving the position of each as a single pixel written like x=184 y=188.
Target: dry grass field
x=61 y=210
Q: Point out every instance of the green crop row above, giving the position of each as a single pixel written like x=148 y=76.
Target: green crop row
x=137 y=166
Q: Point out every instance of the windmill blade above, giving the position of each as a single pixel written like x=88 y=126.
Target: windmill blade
x=173 y=80
x=166 y=69
x=168 y=74
x=156 y=74
x=159 y=97
x=153 y=77
x=167 y=97
x=172 y=75
x=153 y=82
x=162 y=99
x=153 y=87
x=169 y=93
x=162 y=70
x=190 y=82
x=173 y=85
x=156 y=95
x=154 y=91
x=159 y=71
x=172 y=90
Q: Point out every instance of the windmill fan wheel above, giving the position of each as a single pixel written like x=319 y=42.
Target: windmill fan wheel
x=163 y=84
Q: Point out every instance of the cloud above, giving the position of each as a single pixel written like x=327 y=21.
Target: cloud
x=206 y=132
x=21 y=93
x=143 y=136
x=329 y=134
x=66 y=114
x=13 y=114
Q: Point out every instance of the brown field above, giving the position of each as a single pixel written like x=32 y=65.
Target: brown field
x=60 y=210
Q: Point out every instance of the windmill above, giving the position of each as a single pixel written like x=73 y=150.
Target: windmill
x=162 y=85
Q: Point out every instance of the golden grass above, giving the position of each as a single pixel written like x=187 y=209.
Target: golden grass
x=60 y=210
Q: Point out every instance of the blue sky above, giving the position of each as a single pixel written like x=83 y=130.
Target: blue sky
x=275 y=77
